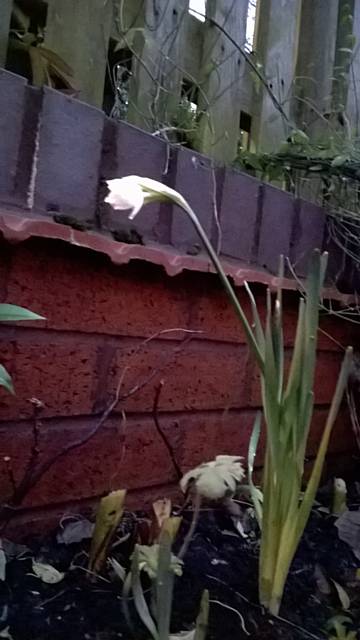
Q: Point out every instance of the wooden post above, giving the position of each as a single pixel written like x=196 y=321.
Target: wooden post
x=276 y=49
x=343 y=53
x=353 y=97
x=158 y=61
x=5 y=15
x=312 y=92
x=79 y=32
x=222 y=70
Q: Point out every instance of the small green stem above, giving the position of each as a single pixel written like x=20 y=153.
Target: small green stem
x=225 y=281
x=191 y=531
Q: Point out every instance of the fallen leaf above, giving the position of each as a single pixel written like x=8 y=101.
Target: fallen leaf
x=47 y=573
x=343 y=596
x=321 y=581
x=13 y=549
x=118 y=569
x=348 y=526
x=323 y=509
x=183 y=635
x=5 y=633
x=75 y=531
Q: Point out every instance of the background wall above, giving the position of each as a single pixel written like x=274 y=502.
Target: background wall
x=97 y=317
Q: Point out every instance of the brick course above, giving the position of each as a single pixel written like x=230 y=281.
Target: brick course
x=97 y=317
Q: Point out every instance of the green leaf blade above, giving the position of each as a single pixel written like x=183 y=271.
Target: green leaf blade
x=13 y=313
x=5 y=380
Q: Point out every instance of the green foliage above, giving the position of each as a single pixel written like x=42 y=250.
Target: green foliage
x=185 y=121
x=333 y=158
x=5 y=380
x=158 y=562
x=338 y=628
x=325 y=170
x=13 y=313
x=288 y=408
x=287 y=405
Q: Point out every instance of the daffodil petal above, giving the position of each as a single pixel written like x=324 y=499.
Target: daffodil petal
x=132 y=192
x=125 y=194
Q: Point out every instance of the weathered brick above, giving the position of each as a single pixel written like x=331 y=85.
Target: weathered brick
x=12 y=101
x=194 y=179
x=132 y=454
x=70 y=140
x=130 y=151
x=35 y=521
x=197 y=377
x=199 y=437
x=238 y=214
x=77 y=292
x=61 y=375
x=276 y=225
x=91 y=470
x=342 y=437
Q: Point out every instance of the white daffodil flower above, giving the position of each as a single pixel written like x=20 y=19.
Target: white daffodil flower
x=216 y=479
x=132 y=192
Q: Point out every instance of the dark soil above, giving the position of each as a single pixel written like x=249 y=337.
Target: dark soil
x=218 y=559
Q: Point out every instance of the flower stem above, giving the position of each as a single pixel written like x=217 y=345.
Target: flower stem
x=225 y=281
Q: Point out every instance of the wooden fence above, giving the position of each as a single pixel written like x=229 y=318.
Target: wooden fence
x=303 y=67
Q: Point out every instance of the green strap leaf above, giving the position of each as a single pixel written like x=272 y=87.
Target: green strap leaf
x=164 y=586
x=203 y=617
x=5 y=380
x=139 y=598
x=254 y=491
x=13 y=313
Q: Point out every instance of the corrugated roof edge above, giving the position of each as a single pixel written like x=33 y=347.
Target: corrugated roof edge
x=16 y=228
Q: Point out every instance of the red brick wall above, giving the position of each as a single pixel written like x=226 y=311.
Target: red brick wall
x=97 y=314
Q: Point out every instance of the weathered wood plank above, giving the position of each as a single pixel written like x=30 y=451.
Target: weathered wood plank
x=194 y=42
x=158 y=62
x=128 y=21
x=66 y=166
x=353 y=97
x=79 y=32
x=276 y=48
x=222 y=70
x=129 y=151
x=343 y=53
x=315 y=64
x=12 y=101
x=238 y=214
x=5 y=14
x=128 y=16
